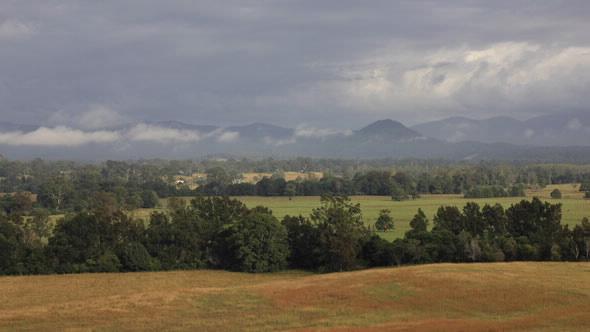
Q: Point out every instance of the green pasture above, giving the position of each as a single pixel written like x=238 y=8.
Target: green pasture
x=574 y=209
x=574 y=206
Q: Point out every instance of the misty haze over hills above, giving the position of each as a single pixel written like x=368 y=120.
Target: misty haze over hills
x=546 y=138
x=549 y=130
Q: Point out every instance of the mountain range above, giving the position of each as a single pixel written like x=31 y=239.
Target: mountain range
x=565 y=129
x=550 y=138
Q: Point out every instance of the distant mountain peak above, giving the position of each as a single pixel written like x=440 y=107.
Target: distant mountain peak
x=559 y=129
x=388 y=129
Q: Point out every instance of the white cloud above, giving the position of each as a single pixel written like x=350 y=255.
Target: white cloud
x=57 y=136
x=151 y=133
x=419 y=85
x=14 y=29
x=99 y=116
x=142 y=132
x=312 y=132
x=96 y=116
x=228 y=136
x=574 y=124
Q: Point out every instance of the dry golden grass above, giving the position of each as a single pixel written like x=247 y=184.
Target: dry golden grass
x=193 y=180
x=254 y=177
x=443 y=297
x=292 y=176
x=568 y=191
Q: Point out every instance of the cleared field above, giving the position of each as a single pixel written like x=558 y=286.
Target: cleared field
x=443 y=297
x=574 y=208
x=292 y=176
x=254 y=177
x=193 y=180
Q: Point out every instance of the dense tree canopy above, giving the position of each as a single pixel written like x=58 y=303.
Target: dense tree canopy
x=99 y=233
x=219 y=232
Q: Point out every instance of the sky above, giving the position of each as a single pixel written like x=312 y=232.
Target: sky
x=81 y=66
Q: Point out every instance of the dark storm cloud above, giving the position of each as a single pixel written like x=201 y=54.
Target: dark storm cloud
x=330 y=63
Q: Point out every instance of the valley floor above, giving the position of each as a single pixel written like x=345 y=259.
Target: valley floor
x=453 y=297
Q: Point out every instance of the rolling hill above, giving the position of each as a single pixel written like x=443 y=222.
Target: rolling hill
x=441 y=297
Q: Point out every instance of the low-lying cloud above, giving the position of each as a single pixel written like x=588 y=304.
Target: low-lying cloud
x=57 y=136
x=313 y=132
x=151 y=133
x=65 y=136
x=228 y=136
x=15 y=29
x=95 y=116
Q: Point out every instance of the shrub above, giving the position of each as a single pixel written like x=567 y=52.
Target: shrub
x=556 y=194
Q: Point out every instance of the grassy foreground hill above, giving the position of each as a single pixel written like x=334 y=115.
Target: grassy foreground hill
x=453 y=297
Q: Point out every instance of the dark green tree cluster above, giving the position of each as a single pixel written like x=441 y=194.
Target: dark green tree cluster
x=331 y=239
x=516 y=190
x=529 y=230
x=212 y=232
x=219 y=232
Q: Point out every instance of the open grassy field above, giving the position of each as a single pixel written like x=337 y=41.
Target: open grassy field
x=575 y=207
x=443 y=297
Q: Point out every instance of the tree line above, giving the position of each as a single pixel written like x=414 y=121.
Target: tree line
x=75 y=187
x=222 y=233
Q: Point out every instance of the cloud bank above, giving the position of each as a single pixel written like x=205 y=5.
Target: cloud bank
x=57 y=136
x=11 y=29
x=332 y=65
x=64 y=136
x=313 y=132
x=151 y=133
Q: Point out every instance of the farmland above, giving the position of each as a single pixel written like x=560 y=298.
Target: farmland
x=195 y=179
x=501 y=296
x=574 y=206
